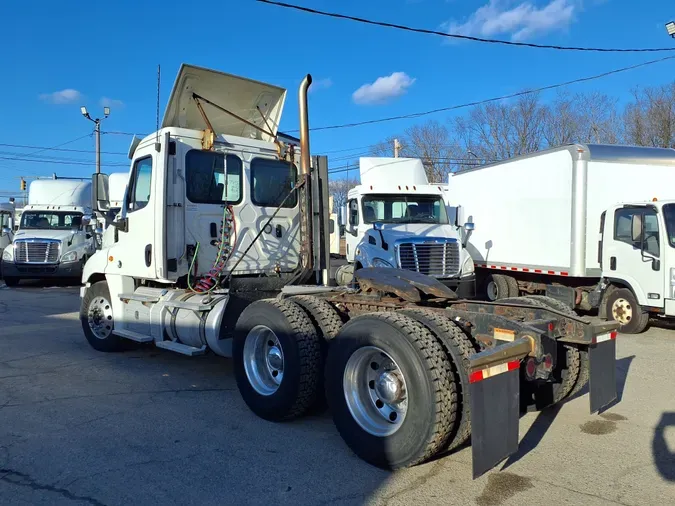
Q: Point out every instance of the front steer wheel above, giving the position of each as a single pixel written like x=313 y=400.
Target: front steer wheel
x=391 y=390
x=96 y=316
x=277 y=359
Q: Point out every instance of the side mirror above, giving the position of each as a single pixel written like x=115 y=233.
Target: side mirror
x=636 y=227
x=99 y=190
x=86 y=220
x=6 y=230
x=98 y=231
x=469 y=227
x=459 y=216
x=379 y=226
x=656 y=264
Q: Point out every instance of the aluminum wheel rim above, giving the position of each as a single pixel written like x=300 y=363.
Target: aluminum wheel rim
x=100 y=317
x=263 y=360
x=375 y=391
x=492 y=290
x=622 y=311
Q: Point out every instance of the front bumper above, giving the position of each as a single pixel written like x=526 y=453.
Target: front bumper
x=465 y=287
x=40 y=271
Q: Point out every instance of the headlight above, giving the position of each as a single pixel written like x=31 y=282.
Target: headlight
x=71 y=256
x=8 y=253
x=378 y=262
x=468 y=267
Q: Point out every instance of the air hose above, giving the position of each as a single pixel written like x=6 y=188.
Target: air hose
x=228 y=229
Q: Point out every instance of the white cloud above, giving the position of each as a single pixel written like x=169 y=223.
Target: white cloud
x=320 y=84
x=519 y=20
x=110 y=102
x=383 y=89
x=67 y=96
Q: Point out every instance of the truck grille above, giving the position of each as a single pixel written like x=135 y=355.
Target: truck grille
x=437 y=259
x=36 y=252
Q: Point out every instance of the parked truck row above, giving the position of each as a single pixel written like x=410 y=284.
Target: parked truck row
x=222 y=244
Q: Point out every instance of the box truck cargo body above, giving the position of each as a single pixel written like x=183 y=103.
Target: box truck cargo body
x=538 y=218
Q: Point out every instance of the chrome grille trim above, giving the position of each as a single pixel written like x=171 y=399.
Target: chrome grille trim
x=37 y=251
x=438 y=258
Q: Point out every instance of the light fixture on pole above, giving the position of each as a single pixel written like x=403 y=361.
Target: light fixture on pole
x=671 y=28
x=97 y=132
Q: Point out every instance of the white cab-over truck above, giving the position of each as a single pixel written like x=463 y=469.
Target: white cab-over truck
x=395 y=218
x=590 y=225
x=222 y=245
x=54 y=238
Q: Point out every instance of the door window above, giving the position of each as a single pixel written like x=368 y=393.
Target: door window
x=272 y=182
x=141 y=184
x=623 y=219
x=205 y=177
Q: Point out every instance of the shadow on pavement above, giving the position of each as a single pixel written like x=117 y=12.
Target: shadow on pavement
x=664 y=458
x=546 y=417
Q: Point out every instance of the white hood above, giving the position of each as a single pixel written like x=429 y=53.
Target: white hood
x=238 y=95
x=427 y=231
x=34 y=233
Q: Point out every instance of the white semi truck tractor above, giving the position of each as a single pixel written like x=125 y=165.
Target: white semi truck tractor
x=222 y=246
x=590 y=225
x=396 y=218
x=54 y=238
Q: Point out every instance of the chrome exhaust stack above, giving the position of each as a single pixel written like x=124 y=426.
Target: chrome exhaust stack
x=304 y=124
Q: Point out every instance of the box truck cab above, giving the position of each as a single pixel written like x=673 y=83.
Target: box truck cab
x=54 y=238
x=395 y=218
x=637 y=254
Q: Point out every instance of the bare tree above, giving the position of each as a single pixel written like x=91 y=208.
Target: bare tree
x=650 y=120
x=339 y=188
x=497 y=131
x=431 y=142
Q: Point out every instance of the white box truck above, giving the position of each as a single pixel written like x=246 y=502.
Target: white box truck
x=590 y=225
x=396 y=218
x=54 y=238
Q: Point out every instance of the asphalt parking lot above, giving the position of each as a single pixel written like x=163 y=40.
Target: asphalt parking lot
x=152 y=427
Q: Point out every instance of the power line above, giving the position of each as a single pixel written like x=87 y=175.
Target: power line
x=43 y=148
x=63 y=162
x=495 y=99
x=466 y=37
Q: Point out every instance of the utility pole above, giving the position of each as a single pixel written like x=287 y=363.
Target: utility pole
x=97 y=132
x=397 y=148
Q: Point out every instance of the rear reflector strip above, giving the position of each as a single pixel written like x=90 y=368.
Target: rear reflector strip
x=601 y=338
x=522 y=269
x=477 y=376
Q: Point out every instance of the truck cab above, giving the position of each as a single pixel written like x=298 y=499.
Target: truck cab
x=54 y=238
x=6 y=224
x=637 y=255
x=395 y=218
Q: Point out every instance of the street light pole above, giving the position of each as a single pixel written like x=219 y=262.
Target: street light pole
x=97 y=132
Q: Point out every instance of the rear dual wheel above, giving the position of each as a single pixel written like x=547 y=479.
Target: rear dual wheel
x=499 y=286
x=391 y=390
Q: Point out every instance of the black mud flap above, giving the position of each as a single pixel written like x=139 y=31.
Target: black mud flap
x=602 y=374
x=495 y=402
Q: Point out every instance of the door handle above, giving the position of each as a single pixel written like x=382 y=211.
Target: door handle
x=148 y=255
x=214 y=230
x=279 y=231
x=612 y=263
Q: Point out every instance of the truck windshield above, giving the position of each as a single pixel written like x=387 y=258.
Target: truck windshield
x=50 y=220
x=669 y=218
x=404 y=209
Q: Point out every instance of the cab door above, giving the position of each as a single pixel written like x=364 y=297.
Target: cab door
x=633 y=255
x=352 y=230
x=133 y=253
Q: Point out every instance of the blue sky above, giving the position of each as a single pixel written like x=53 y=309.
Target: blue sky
x=58 y=56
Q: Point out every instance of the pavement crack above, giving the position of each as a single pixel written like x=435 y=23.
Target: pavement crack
x=25 y=480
